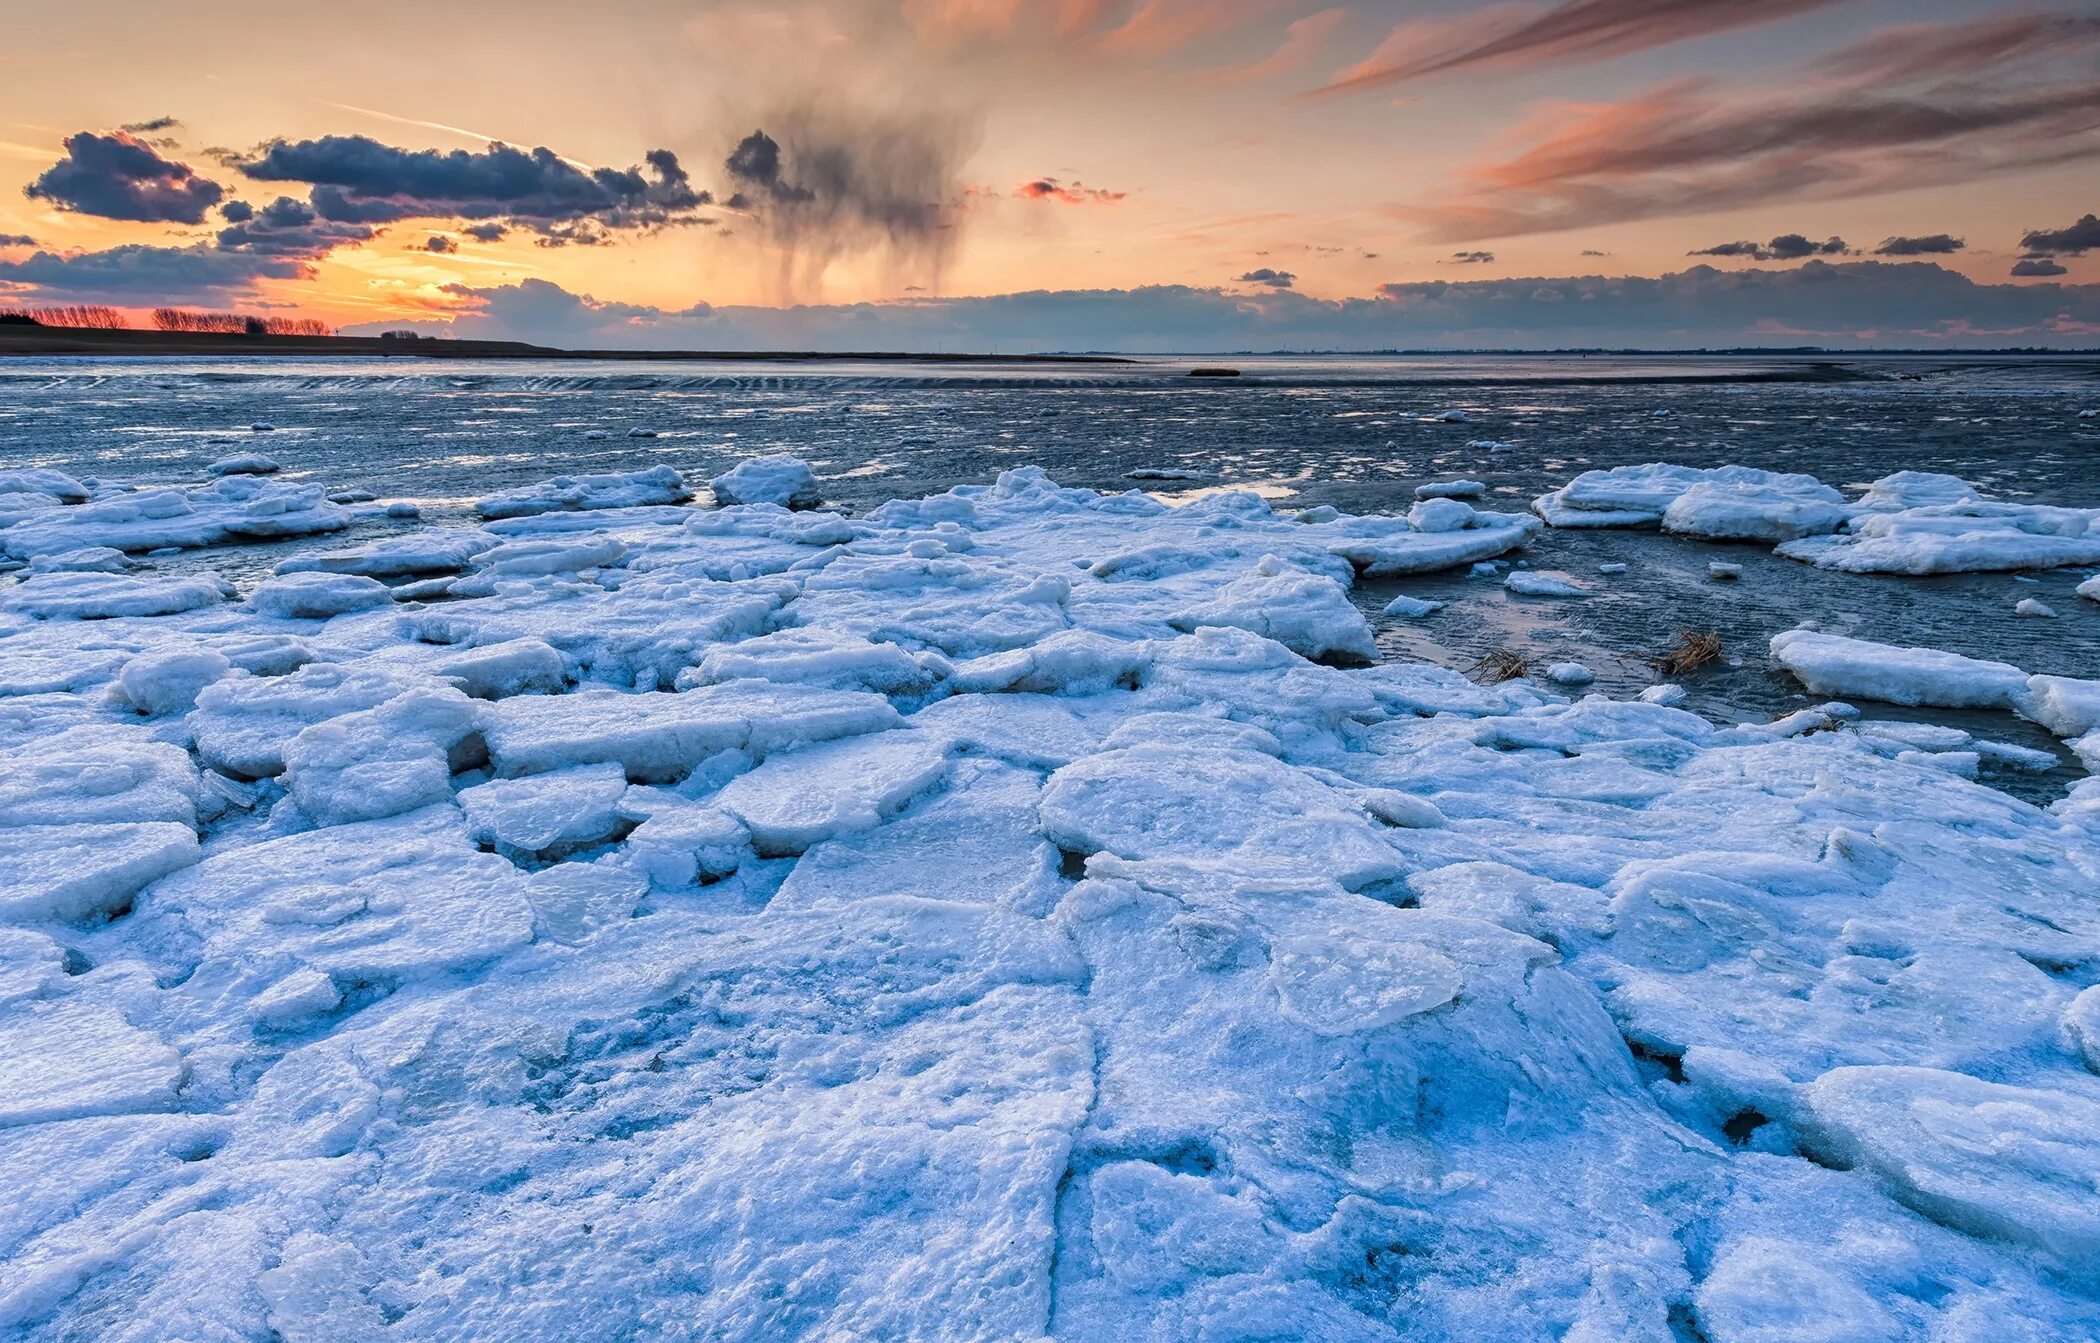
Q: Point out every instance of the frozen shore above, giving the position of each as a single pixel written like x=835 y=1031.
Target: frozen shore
x=1018 y=912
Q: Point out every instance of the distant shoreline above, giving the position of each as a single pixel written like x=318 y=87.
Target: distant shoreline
x=47 y=341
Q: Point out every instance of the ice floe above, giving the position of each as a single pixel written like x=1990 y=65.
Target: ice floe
x=786 y=481
x=998 y=916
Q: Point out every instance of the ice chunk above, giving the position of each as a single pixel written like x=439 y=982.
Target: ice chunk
x=1570 y=674
x=242 y=723
x=500 y=670
x=572 y=900
x=1723 y=572
x=1241 y=809
x=1992 y=1160
x=317 y=596
x=243 y=464
x=548 y=556
x=1337 y=986
x=79 y=871
x=1310 y=614
x=376 y=902
x=86 y=560
x=395 y=757
x=76 y=595
x=1830 y=664
x=1781 y=509
x=2030 y=606
x=657 y=485
x=1968 y=537
x=663 y=735
x=800 y=798
x=562 y=809
x=76 y=1059
x=2066 y=705
x=678 y=844
x=1451 y=489
x=2090 y=589
x=233 y=508
x=1413 y=608
x=1728 y=502
x=1380 y=548
x=821 y=657
x=430 y=551
x=786 y=481
x=1070 y=662
x=111 y=779
x=1440 y=514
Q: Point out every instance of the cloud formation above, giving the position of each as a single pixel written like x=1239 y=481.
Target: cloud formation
x=119 y=176
x=1930 y=244
x=16 y=240
x=440 y=244
x=1269 y=278
x=2075 y=240
x=1785 y=247
x=1076 y=193
x=832 y=180
x=357 y=179
x=1692 y=147
x=139 y=276
x=1471 y=258
x=1838 y=304
x=2037 y=266
x=1519 y=36
x=286 y=227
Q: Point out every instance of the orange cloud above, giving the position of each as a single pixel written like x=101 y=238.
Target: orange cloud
x=1077 y=193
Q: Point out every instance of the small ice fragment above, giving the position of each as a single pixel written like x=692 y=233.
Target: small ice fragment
x=2029 y=606
x=1668 y=696
x=641 y=433
x=1440 y=515
x=1451 y=489
x=1485 y=569
x=403 y=510
x=262 y=427
x=1614 y=567
x=1414 y=608
x=1453 y=416
x=595 y=435
x=1161 y=473
x=1570 y=673
x=1526 y=584
x=1319 y=514
x=1722 y=571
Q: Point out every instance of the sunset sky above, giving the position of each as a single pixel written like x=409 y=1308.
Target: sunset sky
x=1069 y=173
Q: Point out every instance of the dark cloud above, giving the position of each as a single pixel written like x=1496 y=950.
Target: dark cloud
x=16 y=240
x=1838 y=304
x=440 y=244
x=1075 y=193
x=1785 y=247
x=1269 y=278
x=490 y=232
x=1471 y=258
x=1574 y=31
x=827 y=180
x=286 y=227
x=119 y=176
x=135 y=275
x=1591 y=251
x=2076 y=240
x=2038 y=265
x=153 y=127
x=1930 y=244
x=359 y=180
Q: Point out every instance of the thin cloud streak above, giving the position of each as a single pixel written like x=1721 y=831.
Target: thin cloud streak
x=1576 y=31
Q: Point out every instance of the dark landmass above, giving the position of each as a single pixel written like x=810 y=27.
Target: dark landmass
x=30 y=340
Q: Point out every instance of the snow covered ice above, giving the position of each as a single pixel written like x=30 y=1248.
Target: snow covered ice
x=1015 y=913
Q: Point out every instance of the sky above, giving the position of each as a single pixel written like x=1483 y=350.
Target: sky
x=1068 y=174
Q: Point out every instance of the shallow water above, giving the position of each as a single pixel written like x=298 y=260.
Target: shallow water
x=1351 y=431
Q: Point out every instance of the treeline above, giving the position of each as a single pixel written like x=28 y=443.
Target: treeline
x=233 y=323
x=74 y=314
x=99 y=318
